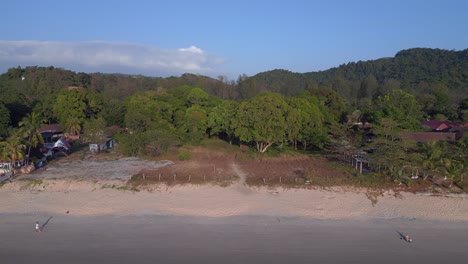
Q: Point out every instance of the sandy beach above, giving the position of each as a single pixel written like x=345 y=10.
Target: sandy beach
x=102 y=220
x=91 y=198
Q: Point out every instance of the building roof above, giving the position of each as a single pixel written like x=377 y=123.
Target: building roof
x=428 y=136
x=52 y=128
x=442 y=125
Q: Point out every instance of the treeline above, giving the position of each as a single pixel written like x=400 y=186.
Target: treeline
x=184 y=112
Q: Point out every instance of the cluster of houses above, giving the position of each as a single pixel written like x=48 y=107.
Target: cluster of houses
x=55 y=143
x=438 y=130
x=435 y=130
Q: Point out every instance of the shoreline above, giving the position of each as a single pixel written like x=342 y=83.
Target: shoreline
x=109 y=197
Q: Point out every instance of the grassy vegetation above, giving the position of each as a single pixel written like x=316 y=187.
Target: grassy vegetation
x=32 y=181
x=184 y=154
x=463 y=185
x=2 y=183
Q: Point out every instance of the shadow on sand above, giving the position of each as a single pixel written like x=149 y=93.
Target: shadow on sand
x=403 y=237
x=46 y=222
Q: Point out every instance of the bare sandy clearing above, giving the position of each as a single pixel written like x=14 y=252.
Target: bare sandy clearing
x=123 y=169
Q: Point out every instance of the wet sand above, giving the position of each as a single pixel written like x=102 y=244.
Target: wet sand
x=240 y=239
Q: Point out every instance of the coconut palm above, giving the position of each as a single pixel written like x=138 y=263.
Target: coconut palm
x=12 y=149
x=462 y=156
x=452 y=168
x=431 y=156
x=30 y=126
x=74 y=126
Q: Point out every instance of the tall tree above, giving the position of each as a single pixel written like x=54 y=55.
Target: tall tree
x=5 y=120
x=308 y=126
x=262 y=120
x=30 y=126
x=401 y=107
x=12 y=148
x=75 y=106
x=195 y=123
x=221 y=119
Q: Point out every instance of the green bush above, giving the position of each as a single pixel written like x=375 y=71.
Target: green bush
x=148 y=143
x=184 y=154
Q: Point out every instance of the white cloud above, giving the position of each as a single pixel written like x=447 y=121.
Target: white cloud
x=102 y=56
x=192 y=49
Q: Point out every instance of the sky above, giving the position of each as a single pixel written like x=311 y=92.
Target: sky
x=221 y=38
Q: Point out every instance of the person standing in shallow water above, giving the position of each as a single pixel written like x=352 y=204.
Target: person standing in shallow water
x=38 y=229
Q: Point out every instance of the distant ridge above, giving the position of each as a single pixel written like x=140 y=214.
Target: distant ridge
x=416 y=70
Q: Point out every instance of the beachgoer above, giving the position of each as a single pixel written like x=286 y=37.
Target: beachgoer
x=407 y=238
x=38 y=229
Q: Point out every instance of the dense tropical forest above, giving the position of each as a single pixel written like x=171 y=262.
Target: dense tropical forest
x=277 y=110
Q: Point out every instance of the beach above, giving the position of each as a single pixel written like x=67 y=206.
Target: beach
x=103 y=220
x=110 y=197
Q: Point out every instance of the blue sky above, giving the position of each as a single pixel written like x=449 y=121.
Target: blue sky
x=161 y=38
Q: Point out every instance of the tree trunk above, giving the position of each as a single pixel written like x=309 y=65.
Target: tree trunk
x=263 y=146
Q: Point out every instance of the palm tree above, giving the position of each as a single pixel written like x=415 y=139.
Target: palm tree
x=452 y=168
x=12 y=148
x=431 y=156
x=74 y=126
x=462 y=156
x=30 y=126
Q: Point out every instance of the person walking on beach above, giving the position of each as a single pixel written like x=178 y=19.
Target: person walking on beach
x=408 y=239
x=38 y=229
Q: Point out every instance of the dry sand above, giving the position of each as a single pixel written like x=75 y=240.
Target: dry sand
x=108 y=197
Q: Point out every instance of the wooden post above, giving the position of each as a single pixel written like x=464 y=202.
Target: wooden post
x=204 y=177
x=189 y=177
x=280 y=179
x=159 y=176
x=264 y=181
x=144 y=178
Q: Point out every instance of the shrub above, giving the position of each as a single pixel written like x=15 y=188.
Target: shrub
x=184 y=154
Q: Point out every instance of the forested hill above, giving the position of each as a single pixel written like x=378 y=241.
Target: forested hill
x=21 y=89
x=35 y=83
x=418 y=71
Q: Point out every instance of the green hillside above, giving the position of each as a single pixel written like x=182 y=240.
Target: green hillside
x=418 y=71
